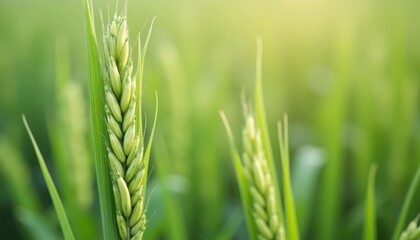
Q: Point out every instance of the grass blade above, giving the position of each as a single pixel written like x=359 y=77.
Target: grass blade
x=141 y=58
x=55 y=197
x=243 y=185
x=146 y=43
x=370 y=212
x=261 y=120
x=106 y=201
x=407 y=202
x=292 y=230
x=149 y=144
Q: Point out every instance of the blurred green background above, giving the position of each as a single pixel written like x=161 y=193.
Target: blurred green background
x=346 y=72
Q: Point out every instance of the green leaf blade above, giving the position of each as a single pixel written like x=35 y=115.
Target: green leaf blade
x=149 y=144
x=261 y=121
x=292 y=229
x=106 y=200
x=406 y=206
x=243 y=183
x=55 y=197
x=140 y=70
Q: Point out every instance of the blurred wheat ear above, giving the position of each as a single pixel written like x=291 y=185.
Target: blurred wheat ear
x=256 y=172
x=413 y=230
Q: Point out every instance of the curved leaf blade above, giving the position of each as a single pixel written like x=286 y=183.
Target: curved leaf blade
x=292 y=229
x=261 y=121
x=407 y=202
x=55 y=197
x=243 y=183
x=106 y=199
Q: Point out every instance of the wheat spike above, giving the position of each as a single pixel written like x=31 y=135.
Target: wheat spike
x=125 y=151
x=73 y=115
x=412 y=232
x=260 y=181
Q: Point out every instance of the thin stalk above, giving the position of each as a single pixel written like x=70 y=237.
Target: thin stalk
x=406 y=205
x=106 y=202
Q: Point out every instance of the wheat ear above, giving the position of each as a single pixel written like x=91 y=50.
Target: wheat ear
x=125 y=153
x=413 y=231
x=260 y=182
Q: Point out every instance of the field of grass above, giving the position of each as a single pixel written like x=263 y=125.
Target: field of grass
x=346 y=73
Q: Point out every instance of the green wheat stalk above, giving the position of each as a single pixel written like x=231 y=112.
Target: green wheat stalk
x=289 y=202
x=370 y=211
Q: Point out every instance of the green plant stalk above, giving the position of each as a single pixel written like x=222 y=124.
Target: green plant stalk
x=107 y=206
x=142 y=54
x=370 y=212
x=331 y=126
x=406 y=205
x=243 y=184
x=58 y=205
x=140 y=79
x=292 y=230
x=261 y=121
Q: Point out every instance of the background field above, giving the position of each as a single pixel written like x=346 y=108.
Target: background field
x=346 y=72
